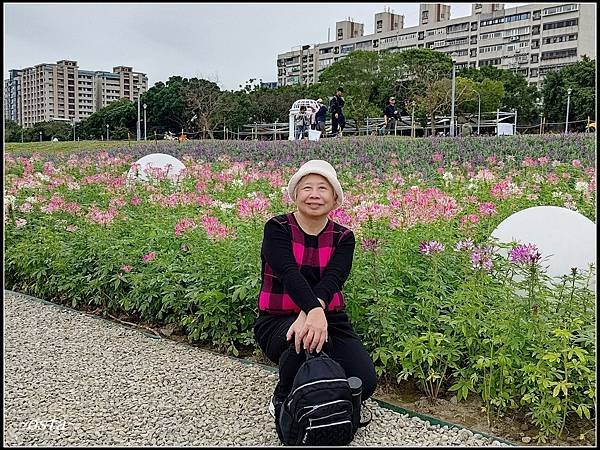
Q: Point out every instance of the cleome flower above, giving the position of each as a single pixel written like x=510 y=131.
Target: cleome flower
x=431 y=247
x=524 y=254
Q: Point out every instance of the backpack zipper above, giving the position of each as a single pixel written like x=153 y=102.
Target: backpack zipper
x=313 y=408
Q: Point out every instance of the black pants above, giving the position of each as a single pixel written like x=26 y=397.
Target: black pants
x=340 y=121
x=391 y=126
x=344 y=346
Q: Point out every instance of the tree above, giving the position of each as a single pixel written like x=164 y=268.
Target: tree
x=358 y=73
x=518 y=93
x=12 y=131
x=204 y=99
x=413 y=72
x=581 y=78
x=120 y=114
x=166 y=107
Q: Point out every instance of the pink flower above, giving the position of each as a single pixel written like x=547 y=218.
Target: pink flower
x=437 y=157
x=577 y=164
x=552 y=178
x=528 y=161
x=126 y=268
x=136 y=201
x=566 y=175
x=184 y=225
x=440 y=170
x=487 y=209
x=19 y=223
x=25 y=207
x=469 y=218
x=543 y=160
x=149 y=257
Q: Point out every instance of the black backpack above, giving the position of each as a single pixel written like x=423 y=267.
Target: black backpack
x=319 y=409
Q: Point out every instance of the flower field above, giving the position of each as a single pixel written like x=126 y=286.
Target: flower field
x=430 y=294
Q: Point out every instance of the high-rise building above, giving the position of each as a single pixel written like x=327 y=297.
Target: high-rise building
x=62 y=91
x=530 y=40
x=12 y=94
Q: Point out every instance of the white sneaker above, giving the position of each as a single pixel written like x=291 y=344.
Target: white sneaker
x=272 y=405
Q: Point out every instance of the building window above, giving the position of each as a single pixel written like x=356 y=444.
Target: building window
x=559 y=54
x=379 y=24
x=535 y=43
x=534 y=58
x=561 y=24
x=560 y=9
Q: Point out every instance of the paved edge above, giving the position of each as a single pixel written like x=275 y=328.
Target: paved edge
x=399 y=409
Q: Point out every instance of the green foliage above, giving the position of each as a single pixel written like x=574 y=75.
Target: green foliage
x=518 y=93
x=581 y=79
x=120 y=116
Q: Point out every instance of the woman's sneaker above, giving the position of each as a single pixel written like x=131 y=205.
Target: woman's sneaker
x=275 y=405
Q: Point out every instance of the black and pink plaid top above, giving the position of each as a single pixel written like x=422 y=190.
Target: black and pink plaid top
x=298 y=268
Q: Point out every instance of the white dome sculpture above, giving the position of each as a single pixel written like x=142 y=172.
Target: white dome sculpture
x=160 y=163
x=295 y=109
x=564 y=238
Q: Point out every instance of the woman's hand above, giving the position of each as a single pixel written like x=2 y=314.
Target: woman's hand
x=296 y=328
x=314 y=333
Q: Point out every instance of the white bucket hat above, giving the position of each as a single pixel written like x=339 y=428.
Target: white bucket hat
x=319 y=167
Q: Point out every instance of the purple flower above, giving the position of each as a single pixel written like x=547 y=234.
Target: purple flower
x=466 y=244
x=430 y=247
x=481 y=257
x=525 y=254
x=370 y=245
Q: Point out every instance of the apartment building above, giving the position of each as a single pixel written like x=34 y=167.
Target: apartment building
x=531 y=39
x=62 y=91
x=12 y=94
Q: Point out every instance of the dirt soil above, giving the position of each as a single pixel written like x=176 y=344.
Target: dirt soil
x=471 y=414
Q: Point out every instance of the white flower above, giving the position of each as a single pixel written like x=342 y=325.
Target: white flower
x=581 y=186
x=42 y=177
x=283 y=189
x=447 y=176
x=31 y=199
x=556 y=163
x=272 y=196
x=538 y=178
x=10 y=199
x=237 y=182
x=471 y=185
x=251 y=195
x=556 y=194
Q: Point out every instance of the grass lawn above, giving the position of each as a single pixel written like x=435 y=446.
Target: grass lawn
x=68 y=146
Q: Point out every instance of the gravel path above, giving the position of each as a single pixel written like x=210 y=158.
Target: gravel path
x=73 y=380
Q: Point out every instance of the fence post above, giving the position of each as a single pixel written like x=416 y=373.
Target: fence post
x=497 y=121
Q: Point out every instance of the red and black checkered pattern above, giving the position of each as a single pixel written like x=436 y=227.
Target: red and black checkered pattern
x=298 y=267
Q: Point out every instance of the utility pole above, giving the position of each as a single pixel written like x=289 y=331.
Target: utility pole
x=453 y=92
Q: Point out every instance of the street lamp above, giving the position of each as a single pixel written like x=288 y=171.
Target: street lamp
x=139 y=134
x=145 y=121
x=478 y=111
x=107 y=132
x=40 y=136
x=568 y=104
x=73 y=123
x=452 y=55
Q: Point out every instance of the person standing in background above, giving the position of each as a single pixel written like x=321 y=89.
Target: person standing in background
x=336 y=104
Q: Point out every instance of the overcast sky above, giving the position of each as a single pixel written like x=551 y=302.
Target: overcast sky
x=227 y=43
